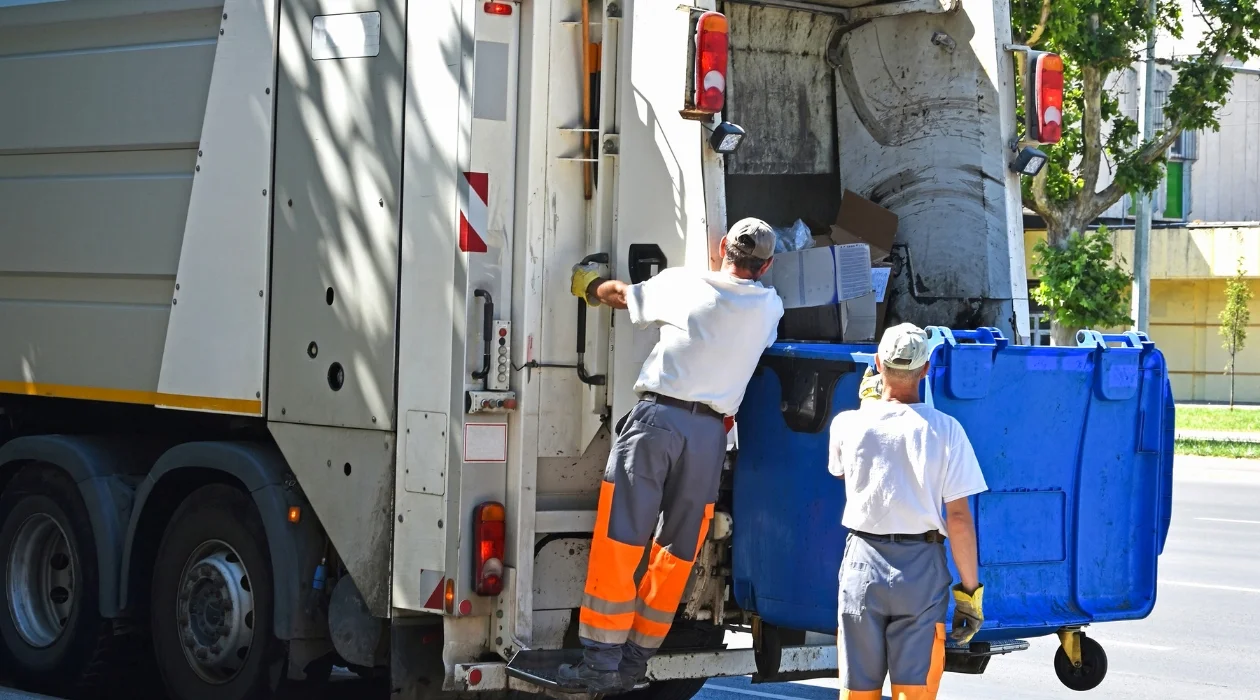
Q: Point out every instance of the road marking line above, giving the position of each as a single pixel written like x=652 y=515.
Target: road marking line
x=1227 y=520
x=1210 y=586
x=1137 y=645
x=753 y=693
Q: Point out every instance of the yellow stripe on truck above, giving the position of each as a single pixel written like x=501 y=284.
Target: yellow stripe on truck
x=251 y=407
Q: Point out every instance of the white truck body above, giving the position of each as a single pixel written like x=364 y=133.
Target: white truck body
x=281 y=212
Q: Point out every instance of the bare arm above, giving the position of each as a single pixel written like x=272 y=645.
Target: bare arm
x=611 y=293
x=962 y=542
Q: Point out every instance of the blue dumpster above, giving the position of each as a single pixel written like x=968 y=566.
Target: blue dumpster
x=1076 y=444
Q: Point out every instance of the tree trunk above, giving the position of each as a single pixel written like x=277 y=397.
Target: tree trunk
x=1231 y=380
x=1063 y=336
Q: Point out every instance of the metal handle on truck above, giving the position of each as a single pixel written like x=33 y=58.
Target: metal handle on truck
x=487 y=323
x=592 y=379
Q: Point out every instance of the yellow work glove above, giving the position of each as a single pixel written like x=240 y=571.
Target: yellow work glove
x=872 y=385
x=968 y=614
x=583 y=276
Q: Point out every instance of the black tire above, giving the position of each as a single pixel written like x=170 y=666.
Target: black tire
x=86 y=652
x=1093 y=666
x=212 y=516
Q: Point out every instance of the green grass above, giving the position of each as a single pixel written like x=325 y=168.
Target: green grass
x=1219 y=448
x=1239 y=420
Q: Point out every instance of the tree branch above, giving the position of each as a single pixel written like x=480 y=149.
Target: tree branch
x=1091 y=133
x=1041 y=25
x=1155 y=148
x=1041 y=203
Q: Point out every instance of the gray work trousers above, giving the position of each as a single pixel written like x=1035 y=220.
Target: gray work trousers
x=659 y=488
x=893 y=600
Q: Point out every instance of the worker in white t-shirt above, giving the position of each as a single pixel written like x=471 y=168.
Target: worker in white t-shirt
x=666 y=459
x=903 y=462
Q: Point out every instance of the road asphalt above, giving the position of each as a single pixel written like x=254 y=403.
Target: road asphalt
x=1202 y=640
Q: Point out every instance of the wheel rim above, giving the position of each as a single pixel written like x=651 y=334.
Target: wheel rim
x=214 y=612
x=41 y=581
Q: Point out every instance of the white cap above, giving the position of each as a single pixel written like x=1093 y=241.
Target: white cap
x=904 y=346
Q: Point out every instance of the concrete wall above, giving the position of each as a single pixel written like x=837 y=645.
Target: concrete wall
x=1185 y=326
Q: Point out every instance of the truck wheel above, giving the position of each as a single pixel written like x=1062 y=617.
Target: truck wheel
x=211 y=611
x=1092 y=670
x=52 y=636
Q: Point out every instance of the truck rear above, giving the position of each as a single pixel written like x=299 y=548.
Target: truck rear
x=290 y=374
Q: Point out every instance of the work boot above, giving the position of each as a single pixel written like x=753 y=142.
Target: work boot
x=582 y=675
x=633 y=666
x=631 y=679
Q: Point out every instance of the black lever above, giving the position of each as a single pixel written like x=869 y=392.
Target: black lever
x=592 y=379
x=487 y=329
x=646 y=259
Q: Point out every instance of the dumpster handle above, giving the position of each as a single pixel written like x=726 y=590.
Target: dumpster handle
x=1096 y=339
x=981 y=336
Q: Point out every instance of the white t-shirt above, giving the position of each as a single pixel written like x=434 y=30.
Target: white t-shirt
x=901 y=463
x=714 y=328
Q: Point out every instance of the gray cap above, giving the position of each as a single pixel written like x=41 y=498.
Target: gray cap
x=752 y=237
x=904 y=346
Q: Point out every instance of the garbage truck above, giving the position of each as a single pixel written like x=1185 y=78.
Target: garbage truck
x=291 y=379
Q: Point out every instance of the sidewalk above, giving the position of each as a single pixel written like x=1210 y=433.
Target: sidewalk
x=1217 y=436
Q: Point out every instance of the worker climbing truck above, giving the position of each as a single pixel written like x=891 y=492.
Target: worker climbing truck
x=291 y=379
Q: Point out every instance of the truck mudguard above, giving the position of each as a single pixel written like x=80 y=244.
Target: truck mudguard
x=106 y=471
x=294 y=548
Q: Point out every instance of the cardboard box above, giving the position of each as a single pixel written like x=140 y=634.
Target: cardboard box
x=821 y=276
x=881 y=277
x=850 y=321
x=862 y=221
x=858 y=320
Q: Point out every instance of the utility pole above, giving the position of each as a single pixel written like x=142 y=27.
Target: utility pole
x=1146 y=202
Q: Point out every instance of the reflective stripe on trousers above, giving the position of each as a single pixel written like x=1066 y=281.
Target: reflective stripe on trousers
x=658 y=489
x=893 y=602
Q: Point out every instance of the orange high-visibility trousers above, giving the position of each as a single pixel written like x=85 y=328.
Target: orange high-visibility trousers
x=658 y=491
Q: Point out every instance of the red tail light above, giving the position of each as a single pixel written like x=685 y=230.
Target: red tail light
x=1046 y=109
x=489 y=526
x=712 y=40
x=497 y=8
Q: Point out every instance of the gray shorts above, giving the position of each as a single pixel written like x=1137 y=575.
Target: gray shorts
x=893 y=602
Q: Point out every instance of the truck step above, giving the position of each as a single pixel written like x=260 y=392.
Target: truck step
x=540 y=667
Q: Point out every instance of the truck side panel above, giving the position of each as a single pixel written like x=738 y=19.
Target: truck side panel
x=95 y=174
x=336 y=213
x=216 y=340
x=427 y=309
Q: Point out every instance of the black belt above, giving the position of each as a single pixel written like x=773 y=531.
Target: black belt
x=931 y=537
x=690 y=406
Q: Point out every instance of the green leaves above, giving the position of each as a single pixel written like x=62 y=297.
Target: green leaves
x=1081 y=286
x=1109 y=36
x=1235 y=316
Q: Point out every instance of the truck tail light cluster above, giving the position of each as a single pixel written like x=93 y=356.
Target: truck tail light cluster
x=489 y=528
x=712 y=39
x=1045 y=91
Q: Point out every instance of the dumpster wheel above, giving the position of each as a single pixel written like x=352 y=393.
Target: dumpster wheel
x=1080 y=662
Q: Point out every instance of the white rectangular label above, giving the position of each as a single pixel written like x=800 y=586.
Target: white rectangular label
x=879 y=277
x=355 y=35
x=485 y=442
x=853 y=263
